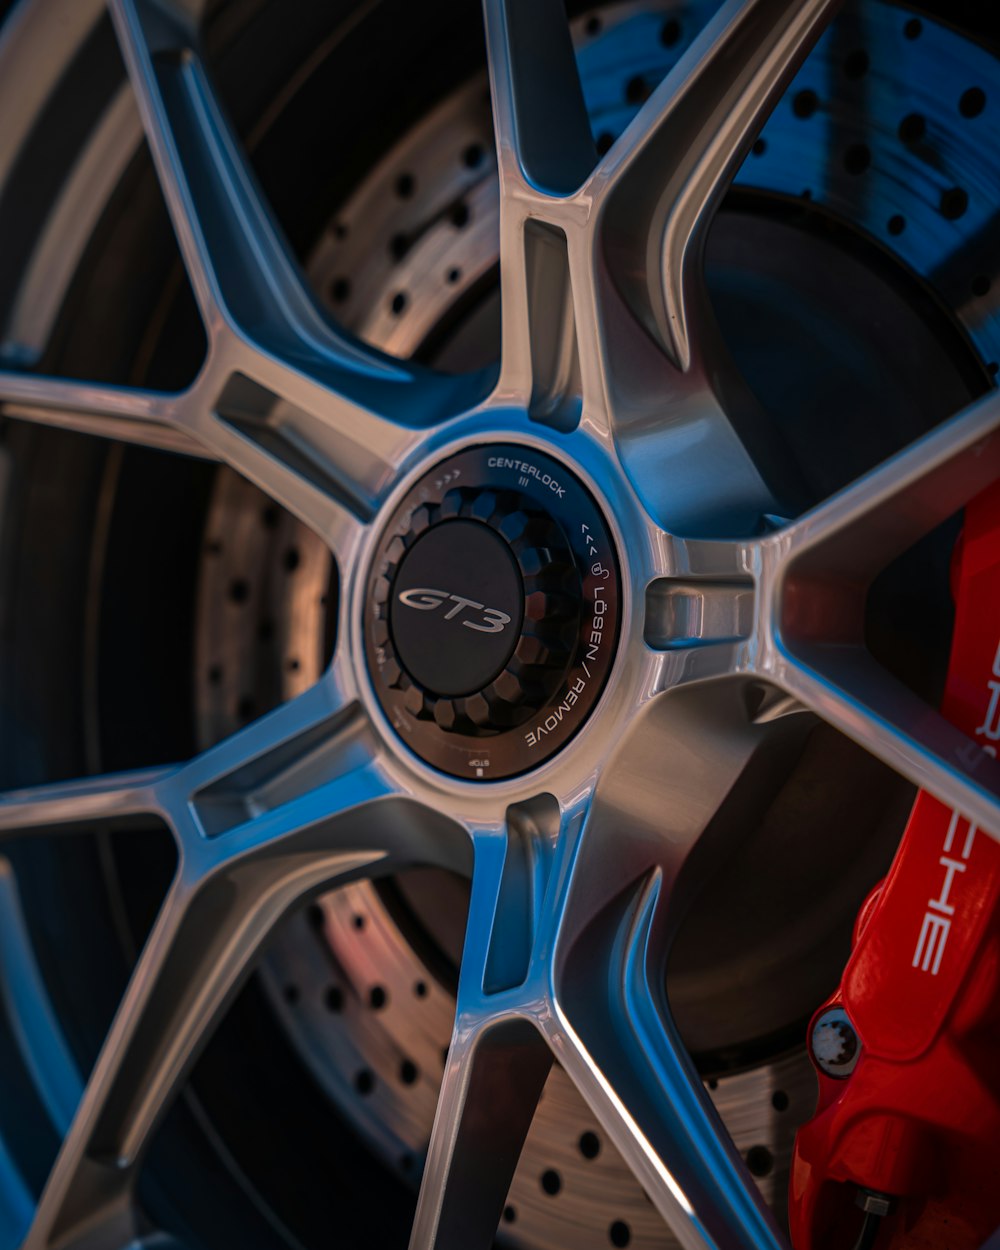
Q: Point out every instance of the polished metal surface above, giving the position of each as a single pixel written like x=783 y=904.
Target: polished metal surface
x=367 y=1010
x=380 y=1011
x=581 y=871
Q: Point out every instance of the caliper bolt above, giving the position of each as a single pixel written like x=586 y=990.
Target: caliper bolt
x=834 y=1043
x=874 y=1203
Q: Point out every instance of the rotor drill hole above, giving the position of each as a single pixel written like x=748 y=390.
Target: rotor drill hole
x=590 y=1145
x=619 y=1234
x=364 y=1082
x=912 y=128
x=857 y=158
x=760 y=1161
x=954 y=202
x=670 y=33
x=551 y=1182
x=972 y=102
x=856 y=65
x=636 y=90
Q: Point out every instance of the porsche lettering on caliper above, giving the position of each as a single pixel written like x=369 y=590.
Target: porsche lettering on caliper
x=908 y=1119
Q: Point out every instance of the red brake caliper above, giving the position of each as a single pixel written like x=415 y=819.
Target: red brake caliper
x=908 y=1050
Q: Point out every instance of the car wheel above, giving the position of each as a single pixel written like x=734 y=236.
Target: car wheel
x=478 y=504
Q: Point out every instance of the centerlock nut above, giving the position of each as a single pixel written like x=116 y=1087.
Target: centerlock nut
x=492 y=612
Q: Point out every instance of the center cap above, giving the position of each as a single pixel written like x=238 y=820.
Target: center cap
x=456 y=608
x=491 y=616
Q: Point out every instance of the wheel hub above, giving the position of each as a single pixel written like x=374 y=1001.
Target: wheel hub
x=492 y=611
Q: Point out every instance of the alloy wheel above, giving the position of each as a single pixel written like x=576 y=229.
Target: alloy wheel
x=720 y=617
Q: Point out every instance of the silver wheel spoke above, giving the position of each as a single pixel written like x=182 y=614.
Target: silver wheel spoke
x=238 y=263
x=498 y=1060
x=492 y=1083
x=638 y=1080
x=847 y=688
x=569 y=934
x=817 y=574
x=545 y=150
x=602 y=285
x=542 y=128
x=692 y=438
x=193 y=962
x=133 y=416
x=856 y=532
x=70 y=806
x=662 y=181
x=284 y=398
x=691 y=778
x=272 y=815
